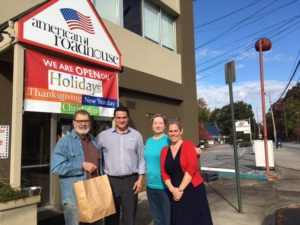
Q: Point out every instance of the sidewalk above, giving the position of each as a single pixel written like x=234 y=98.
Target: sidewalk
x=260 y=198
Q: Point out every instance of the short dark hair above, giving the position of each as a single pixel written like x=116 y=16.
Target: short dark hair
x=121 y=109
x=82 y=112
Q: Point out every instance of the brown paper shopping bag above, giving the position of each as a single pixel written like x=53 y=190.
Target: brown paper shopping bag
x=94 y=199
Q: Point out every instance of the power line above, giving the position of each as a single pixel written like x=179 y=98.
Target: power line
x=276 y=32
x=233 y=27
x=237 y=27
x=267 y=13
x=227 y=15
x=262 y=15
x=237 y=53
x=292 y=76
x=275 y=27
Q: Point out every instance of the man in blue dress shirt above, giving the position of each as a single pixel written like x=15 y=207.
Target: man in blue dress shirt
x=123 y=151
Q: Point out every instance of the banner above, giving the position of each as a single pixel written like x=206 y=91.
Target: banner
x=4 y=141
x=57 y=86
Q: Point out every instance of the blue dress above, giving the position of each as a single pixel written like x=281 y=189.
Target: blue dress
x=193 y=208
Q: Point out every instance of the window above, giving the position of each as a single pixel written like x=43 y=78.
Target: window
x=132 y=16
x=167 y=31
x=108 y=9
x=151 y=22
x=159 y=26
x=141 y=17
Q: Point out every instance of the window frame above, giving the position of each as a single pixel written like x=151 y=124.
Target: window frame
x=160 y=12
x=118 y=12
x=120 y=21
x=173 y=31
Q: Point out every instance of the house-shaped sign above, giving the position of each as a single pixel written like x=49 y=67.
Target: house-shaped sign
x=73 y=28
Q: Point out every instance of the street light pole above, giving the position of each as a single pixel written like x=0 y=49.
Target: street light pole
x=263 y=44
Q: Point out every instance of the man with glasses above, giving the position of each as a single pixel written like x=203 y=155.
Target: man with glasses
x=75 y=156
x=123 y=151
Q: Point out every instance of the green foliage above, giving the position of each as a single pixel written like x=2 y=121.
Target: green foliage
x=203 y=111
x=222 y=117
x=286 y=115
x=203 y=115
x=215 y=115
x=7 y=193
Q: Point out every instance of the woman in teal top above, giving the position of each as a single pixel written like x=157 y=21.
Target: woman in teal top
x=158 y=196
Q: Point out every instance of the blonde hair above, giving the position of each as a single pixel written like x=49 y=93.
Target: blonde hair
x=160 y=116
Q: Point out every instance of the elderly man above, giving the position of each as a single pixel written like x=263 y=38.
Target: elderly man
x=75 y=155
x=124 y=164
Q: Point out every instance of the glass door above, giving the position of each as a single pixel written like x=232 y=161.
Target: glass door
x=36 y=152
x=41 y=131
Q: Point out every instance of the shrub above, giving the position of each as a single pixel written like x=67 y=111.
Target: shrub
x=7 y=193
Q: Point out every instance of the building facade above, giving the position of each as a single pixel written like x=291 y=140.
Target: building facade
x=156 y=41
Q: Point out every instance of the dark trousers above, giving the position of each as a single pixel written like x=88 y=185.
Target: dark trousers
x=125 y=200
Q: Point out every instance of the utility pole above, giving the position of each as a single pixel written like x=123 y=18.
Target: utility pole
x=273 y=121
x=285 y=121
x=250 y=130
x=258 y=125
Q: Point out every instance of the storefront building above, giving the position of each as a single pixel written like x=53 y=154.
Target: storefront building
x=137 y=53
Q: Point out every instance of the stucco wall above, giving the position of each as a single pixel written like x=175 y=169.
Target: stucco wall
x=11 y=8
x=143 y=55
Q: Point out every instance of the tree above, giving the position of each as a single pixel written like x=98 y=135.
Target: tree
x=292 y=104
x=296 y=132
x=286 y=114
x=203 y=134
x=279 y=118
x=222 y=118
x=215 y=115
x=203 y=111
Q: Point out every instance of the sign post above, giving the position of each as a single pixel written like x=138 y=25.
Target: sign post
x=244 y=126
x=230 y=77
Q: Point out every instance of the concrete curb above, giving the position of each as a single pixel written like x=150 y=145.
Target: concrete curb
x=251 y=176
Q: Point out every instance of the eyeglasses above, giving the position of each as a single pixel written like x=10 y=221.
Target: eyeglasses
x=82 y=121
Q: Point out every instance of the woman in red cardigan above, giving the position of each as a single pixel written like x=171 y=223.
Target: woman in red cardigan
x=181 y=175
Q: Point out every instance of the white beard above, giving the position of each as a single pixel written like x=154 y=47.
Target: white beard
x=82 y=131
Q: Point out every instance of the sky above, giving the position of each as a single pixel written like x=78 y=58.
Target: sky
x=227 y=30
